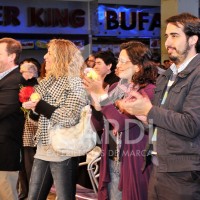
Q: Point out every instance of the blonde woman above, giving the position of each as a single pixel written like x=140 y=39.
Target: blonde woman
x=62 y=98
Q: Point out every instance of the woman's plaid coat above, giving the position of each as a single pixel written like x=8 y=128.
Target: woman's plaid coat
x=68 y=96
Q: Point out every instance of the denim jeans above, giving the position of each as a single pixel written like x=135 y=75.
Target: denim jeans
x=113 y=191
x=45 y=173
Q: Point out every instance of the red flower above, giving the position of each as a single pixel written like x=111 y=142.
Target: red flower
x=25 y=93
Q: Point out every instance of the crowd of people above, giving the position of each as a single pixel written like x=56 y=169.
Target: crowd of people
x=149 y=125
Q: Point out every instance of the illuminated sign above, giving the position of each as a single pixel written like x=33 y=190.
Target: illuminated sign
x=56 y=17
x=113 y=21
x=9 y=15
x=73 y=18
x=129 y=21
x=45 y=18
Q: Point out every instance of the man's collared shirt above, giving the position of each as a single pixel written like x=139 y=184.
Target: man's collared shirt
x=3 y=74
x=176 y=70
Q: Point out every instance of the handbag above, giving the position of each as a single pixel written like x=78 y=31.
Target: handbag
x=76 y=140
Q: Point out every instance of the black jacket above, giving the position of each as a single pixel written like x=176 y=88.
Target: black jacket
x=11 y=121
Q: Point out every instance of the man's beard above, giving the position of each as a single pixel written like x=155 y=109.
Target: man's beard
x=180 y=54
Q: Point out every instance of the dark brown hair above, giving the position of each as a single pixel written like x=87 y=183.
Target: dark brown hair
x=140 y=55
x=190 y=23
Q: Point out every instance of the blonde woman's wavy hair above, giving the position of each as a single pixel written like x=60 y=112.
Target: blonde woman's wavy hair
x=67 y=59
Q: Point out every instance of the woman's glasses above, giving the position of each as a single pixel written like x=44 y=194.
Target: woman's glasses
x=122 y=61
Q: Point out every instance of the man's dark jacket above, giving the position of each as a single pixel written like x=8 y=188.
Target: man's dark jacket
x=11 y=121
x=178 y=120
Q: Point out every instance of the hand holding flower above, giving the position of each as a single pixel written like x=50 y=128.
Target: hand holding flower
x=35 y=97
x=30 y=105
x=29 y=99
x=25 y=93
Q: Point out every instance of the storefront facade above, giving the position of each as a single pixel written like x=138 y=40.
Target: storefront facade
x=91 y=25
x=34 y=23
x=120 y=23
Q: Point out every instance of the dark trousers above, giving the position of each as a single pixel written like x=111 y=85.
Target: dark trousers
x=45 y=173
x=174 y=185
x=25 y=172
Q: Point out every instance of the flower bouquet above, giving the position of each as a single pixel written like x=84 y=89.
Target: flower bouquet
x=28 y=93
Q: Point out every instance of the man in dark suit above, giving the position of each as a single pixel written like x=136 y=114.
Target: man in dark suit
x=11 y=117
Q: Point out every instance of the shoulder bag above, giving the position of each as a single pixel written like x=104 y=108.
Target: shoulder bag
x=76 y=140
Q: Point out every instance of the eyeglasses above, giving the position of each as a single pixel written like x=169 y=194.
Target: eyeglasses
x=123 y=62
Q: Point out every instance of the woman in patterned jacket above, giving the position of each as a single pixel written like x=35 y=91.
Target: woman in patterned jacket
x=62 y=98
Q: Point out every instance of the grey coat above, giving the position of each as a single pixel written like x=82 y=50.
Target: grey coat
x=178 y=121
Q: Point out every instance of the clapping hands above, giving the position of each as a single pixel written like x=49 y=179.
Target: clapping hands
x=136 y=104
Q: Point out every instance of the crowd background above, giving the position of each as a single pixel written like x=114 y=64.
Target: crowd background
x=134 y=86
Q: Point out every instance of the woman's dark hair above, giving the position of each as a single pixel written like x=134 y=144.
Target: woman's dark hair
x=190 y=23
x=148 y=73
x=140 y=55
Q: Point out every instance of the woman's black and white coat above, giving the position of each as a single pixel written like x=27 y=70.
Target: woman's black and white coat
x=62 y=102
